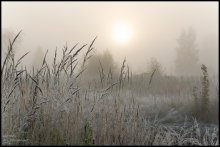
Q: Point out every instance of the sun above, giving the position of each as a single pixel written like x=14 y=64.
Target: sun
x=122 y=33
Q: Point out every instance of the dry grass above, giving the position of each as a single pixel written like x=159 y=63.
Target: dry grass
x=56 y=106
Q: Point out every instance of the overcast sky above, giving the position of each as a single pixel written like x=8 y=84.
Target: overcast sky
x=155 y=27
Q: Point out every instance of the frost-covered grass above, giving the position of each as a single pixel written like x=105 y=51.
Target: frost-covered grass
x=58 y=105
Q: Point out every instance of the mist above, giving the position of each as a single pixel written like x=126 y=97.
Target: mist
x=110 y=73
x=156 y=28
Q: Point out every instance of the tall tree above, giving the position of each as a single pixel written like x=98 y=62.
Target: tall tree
x=187 y=54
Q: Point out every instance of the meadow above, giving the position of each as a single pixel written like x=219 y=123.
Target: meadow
x=60 y=104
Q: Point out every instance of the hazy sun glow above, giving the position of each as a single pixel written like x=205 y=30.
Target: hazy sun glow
x=122 y=33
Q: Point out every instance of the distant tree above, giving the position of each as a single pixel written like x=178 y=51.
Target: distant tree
x=38 y=58
x=7 y=35
x=154 y=66
x=105 y=60
x=187 y=54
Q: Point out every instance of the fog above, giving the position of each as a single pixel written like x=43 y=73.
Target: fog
x=155 y=29
x=110 y=73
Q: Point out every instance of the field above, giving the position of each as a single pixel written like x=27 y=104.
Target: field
x=60 y=104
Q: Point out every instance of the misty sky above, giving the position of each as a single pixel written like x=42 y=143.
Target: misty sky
x=155 y=28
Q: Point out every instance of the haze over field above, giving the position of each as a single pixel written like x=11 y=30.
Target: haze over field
x=110 y=73
x=155 y=28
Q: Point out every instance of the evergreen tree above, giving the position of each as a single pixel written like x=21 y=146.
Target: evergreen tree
x=187 y=54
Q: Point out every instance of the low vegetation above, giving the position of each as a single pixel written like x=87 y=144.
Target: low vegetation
x=60 y=104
